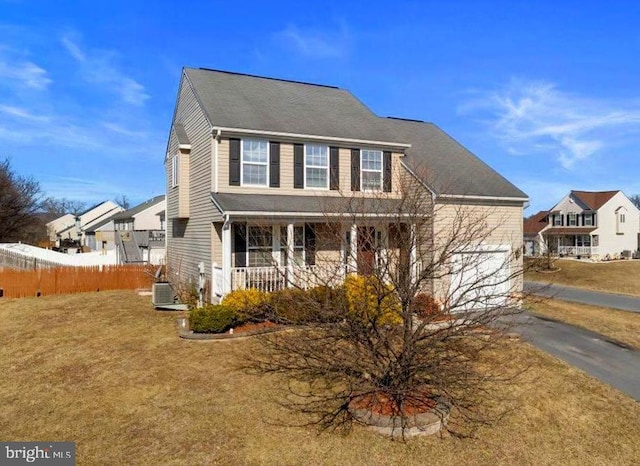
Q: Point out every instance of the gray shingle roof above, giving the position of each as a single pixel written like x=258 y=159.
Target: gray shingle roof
x=181 y=134
x=445 y=165
x=235 y=100
x=264 y=204
x=137 y=209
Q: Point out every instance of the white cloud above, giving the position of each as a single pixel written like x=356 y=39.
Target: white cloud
x=25 y=73
x=530 y=116
x=315 y=43
x=21 y=113
x=98 y=67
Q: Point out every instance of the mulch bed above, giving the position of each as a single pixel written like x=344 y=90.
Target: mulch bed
x=382 y=404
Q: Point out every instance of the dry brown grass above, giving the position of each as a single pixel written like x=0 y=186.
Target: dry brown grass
x=620 y=325
x=612 y=277
x=108 y=372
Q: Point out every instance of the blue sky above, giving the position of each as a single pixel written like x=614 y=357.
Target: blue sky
x=547 y=93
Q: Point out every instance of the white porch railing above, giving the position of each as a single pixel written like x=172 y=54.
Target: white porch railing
x=275 y=278
x=577 y=250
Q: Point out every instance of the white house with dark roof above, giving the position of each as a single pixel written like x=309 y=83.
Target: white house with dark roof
x=596 y=224
x=73 y=228
x=260 y=169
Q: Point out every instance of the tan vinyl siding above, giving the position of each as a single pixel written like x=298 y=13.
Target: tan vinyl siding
x=501 y=226
x=189 y=240
x=286 y=174
x=216 y=243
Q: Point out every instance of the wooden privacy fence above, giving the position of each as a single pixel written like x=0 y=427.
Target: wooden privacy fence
x=66 y=280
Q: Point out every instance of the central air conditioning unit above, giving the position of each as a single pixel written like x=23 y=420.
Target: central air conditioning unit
x=162 y=294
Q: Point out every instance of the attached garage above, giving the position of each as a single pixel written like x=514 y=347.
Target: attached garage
x=480 y=279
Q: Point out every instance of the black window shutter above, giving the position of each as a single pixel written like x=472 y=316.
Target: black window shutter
x=334 y=168
x=234 y=162
x=355 y=169
x=298 y=166
x=562 y=219
x=240 y=244
x=386 y=172
x=274 y=169
x=310 y=244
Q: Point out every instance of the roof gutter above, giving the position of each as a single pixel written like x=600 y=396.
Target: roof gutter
x=310 y=137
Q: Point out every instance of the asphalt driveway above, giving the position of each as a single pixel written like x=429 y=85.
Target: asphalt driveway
x=579 y=295
x=612 y=362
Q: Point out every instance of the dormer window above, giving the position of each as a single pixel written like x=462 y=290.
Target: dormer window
x=255 y=162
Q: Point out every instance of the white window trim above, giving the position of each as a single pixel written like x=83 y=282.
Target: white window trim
x=557 y=220
x=589 y=218
x=381 y=171
x=242 y=163
x=175 y=170
x=326 y=167
x=572 y=219
x=249 y=249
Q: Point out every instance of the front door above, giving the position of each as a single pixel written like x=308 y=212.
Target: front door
x=366 y=250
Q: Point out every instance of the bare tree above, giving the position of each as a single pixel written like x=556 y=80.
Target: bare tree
x=19 y=204
x=54 y=207
x=636 y=200
x=432 y=299
x=123 y=201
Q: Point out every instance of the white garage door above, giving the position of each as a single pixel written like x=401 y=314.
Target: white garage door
x=480 y=279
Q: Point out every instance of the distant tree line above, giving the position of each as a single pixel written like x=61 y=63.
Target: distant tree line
x=25 y=210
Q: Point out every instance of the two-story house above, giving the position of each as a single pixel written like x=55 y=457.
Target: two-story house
x=269 y=180
x=596 y=224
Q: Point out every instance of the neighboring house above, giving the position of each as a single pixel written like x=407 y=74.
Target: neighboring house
x=260 y=169
x=140 y=232
x=75 y=232
x=597 y=224
x=534 y=226
x=58 y=225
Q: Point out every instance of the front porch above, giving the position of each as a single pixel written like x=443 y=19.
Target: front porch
x=305 y=255
x=573 y=245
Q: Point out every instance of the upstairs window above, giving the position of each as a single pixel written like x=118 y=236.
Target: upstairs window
x=588 y=220
x=572 y=219
x=371 y=169
x=316 y=166
x=175 y=171
x=255 y=162
x=557 y=220
x=620 y=220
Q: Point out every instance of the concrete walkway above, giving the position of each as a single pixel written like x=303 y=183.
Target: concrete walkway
x=609 y=361
x=579 y=295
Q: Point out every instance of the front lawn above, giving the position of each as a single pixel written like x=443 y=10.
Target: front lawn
x=107 y=371
x=611 y=277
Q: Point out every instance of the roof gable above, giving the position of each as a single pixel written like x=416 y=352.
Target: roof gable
x=594 y=199
x=132 y=212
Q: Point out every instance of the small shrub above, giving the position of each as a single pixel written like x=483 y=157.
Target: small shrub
x=372 y=301
x=332 y=302
x=425 y=306
x=213 y=318
x=250 y=304
x=293 y=306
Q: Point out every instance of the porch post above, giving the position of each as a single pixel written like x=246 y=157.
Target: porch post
x=384 y=250
x=353 y=246
x=226 y=257
x=290 y=252
x=413 y=255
